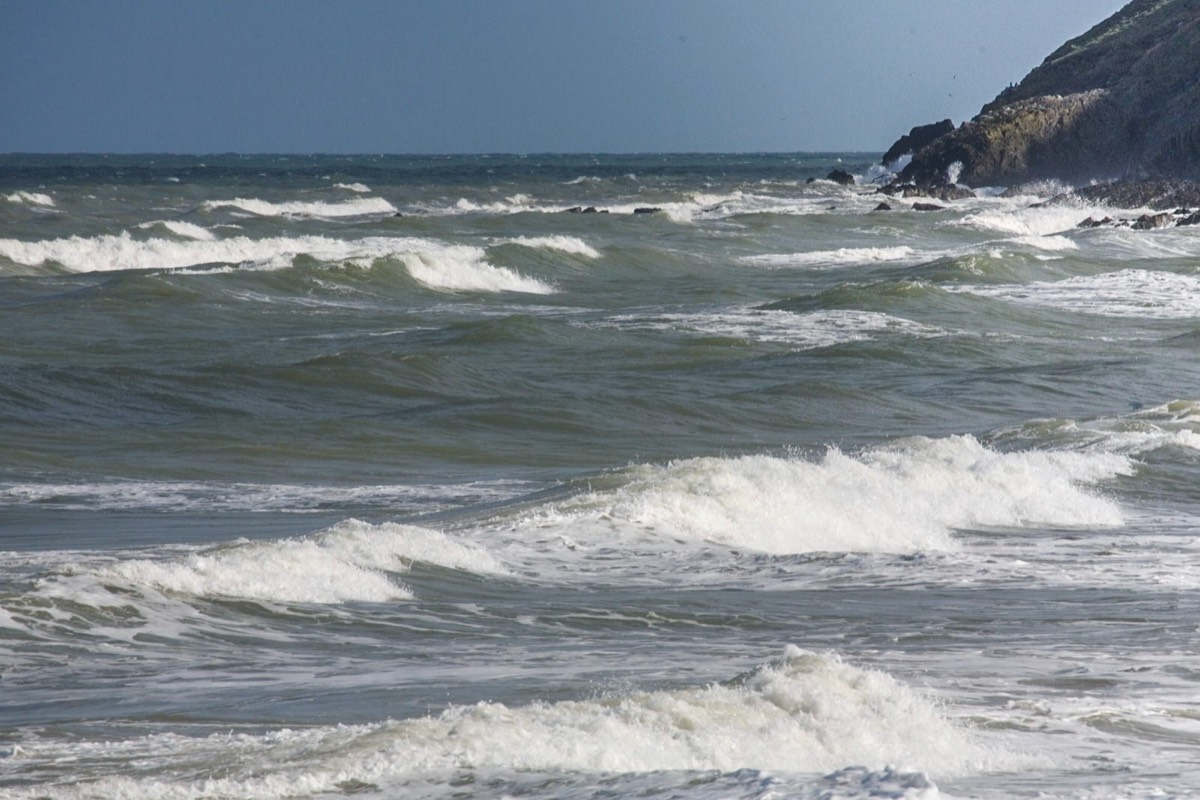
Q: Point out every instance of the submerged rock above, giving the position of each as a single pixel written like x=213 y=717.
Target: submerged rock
x=1147 y=222
x=841 y=176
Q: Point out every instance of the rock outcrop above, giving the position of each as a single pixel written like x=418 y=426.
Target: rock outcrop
x=1158 y=195
x=915 y=139
x=1120 y=101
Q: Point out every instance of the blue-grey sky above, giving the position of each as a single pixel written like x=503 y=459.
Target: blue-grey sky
x=523 y=76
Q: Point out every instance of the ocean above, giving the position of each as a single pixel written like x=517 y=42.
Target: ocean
x=589 y=476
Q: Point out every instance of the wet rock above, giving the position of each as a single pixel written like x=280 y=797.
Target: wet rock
x=647 y=210
x=1154 y=194
x=927 y=207
x=945 y=192
x=840 y=176
x=1148 y=222
x=882 y=207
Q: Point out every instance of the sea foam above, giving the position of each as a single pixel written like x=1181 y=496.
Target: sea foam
x=347 y=563
x=187 y=230
x=909 y=496
x=31 y=198
x=843 y=256
x=802 y=713
x=434 y=264
x=362 y=206
x=1127 y=293
x=565 y=244
x=802 y=331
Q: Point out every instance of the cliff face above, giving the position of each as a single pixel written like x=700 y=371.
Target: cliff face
x=1120 y=101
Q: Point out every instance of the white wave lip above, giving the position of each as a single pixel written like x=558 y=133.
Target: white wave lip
x=464 y=268
x=843 y=256
x=31 y=198
x=434 y=264
x=803 y=331
x=347 y=563
x=358 y=207
x=907 y=497
x=802 y=713
x=188 y=230
x=1128 y=293
x=558 y=242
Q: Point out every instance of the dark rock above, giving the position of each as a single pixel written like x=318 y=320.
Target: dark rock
x=1157 y=195
x=647 y=210
x=1092 y=222
x=575 y=210
x=841 y=176
x=1043 y=137
x=1120 y=101
x=1148 y=222
x=811 y=180
x=927 y=207
x=945 y=192
x=915 y=139
x=882 y=207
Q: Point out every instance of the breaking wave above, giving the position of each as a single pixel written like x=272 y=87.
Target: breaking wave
x=434 y=264
x=800 y=713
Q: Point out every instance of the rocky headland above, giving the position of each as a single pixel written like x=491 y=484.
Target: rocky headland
x=1116 y=110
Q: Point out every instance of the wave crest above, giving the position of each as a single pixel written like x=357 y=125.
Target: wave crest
x=906 y=497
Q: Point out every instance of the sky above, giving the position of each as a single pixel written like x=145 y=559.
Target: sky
x=512 y=76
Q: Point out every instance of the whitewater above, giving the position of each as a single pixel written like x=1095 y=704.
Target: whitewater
x=584 y=476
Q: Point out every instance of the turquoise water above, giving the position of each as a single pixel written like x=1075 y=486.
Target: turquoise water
x=411 y=477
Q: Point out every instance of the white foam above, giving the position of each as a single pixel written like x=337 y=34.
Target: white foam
x=1171 y=425
x=906 y=497
x=463 y=268
x=31 y=198
x=802 y=331
x=360 y=188
x=347 y=563
x=1051 y=243
x=362 y=206
x=565 y=244
x=1013 y=217
x=803 y=713
x=1127 y=293
x=842 y=256
x=187 y=230
x=254 y=497
x=435 y=264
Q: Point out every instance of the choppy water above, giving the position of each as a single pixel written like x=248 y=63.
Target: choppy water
x=393 y=477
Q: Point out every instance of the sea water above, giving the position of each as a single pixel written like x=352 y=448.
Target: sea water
x=457 y=477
